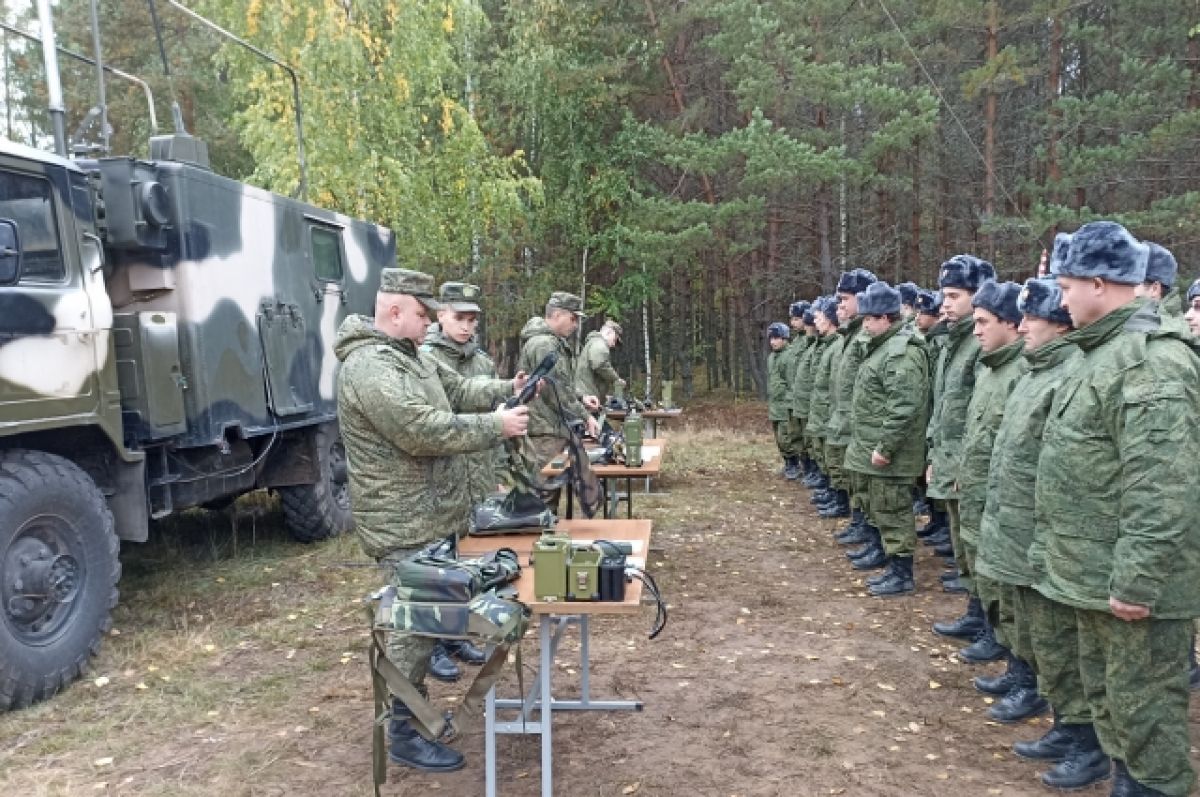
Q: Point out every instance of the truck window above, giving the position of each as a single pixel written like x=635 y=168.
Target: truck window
x=28 y=201
x=326 y=246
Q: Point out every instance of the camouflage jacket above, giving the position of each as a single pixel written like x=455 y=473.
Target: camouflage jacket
x=954 y=381
x=1171 y=310
x=802 y=375
x=998 y=371
x=841 y=391
x=824 y=359
x=1007 y=529
x=1115 y=492
x=594 y=374
x=484 y=470
x=889 y=410
x=545 y=418
x=404 y=441
x=779 y=386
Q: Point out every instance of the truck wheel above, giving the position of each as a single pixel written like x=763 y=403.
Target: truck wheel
x=58 y=574
x=321 y=510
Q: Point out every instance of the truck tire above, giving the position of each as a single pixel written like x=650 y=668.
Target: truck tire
x=321 y=510
x=58 y=574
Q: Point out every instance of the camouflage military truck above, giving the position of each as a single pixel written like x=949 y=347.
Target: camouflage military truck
x=166 y=342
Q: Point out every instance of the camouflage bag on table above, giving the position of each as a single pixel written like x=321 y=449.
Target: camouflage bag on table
x=434 y=595
x=515 y=512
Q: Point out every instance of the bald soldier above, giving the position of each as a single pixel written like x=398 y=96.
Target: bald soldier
x=407 y=424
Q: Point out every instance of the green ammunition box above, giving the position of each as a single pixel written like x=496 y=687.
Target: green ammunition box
x=583 y=573
x=549 y=557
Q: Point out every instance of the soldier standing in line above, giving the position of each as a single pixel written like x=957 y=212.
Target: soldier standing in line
x=595 y=375
x=954 y=381
x=1192 y=316
x=560 y=402
x=406 y=422
x=908 y=299
x=824 y=359
x=451 y=342
x=932 y=330
x=779 y=395
x=802 y=391
x=1116 y=539
x=837 y=436
x=796 y=348
x=889 y=414
x=1000 y=365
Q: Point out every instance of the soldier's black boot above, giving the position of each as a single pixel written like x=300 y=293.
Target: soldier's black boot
x=955 y=586
x=1052 y=746
x=441 y=666
x=939 y=537
x=464 y=651
x=920 y=505
x=984 y=647
x=944 y=549
x=820 y=481
x=1084 y=764
x=837 y=509
x=791 y=468
x=1000 y=684
x=855 y=532
x=949 y=575
x=874 y=558
x=938 y=520
x=411 y=749
x=898 y=580
x=1023 y=700
x=873 y=541
x=821 y=495
x=965 y=627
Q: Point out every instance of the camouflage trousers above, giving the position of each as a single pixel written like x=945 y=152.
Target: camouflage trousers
x=888 y=505
x=816 y=449
x=952 y=514
x=999 y=603
x=1135 y=679
x=1052 y=636
x=409 y=653
x=783 y=438
x=834 y=457
x=796 y=433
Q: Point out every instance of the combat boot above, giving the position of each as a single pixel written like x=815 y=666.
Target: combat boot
x=955 y=586
x=872 y=560
x=791 y=468
x=965 y=627
x=854 y=536
x=821 y=495
x=464 y=651
x=1084 y=764
x=937 y=522
x=1000 y=684
x=441 y=666
x=898 y=581
x=818 y=480
x=1023 y=700
x=840 y=508
x=939 y=538
x=944 y=550
x=1052 y=746
x=920 y=507
x=984 y=647
x=949 y=575
x=858 y=521
x=411 y=749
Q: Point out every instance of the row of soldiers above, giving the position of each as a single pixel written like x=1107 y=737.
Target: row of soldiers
x=1050 y=427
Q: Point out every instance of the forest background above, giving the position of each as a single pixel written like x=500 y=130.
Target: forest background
x=691 y=166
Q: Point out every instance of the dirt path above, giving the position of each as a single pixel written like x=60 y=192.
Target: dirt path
x=243 y=674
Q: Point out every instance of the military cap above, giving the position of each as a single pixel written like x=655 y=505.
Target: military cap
x=1161 y=266
x=1000 y=299
x=416 y=284
x=879 y=299
x=461 y=297
x=1106 y=250
x=798 y=309
x=1062 y=245
x=561 y=300
x=966 y=272
x=908 y=292
x=1042 y=298
x=779 y=330
x=928 y=303
x=855 y=280
x=1193 y=291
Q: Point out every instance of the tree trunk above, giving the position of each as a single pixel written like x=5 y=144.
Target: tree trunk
x=1053 y=89
x=989 y=132
x=914 y=241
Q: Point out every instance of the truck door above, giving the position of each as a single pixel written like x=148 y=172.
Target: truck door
x=48 y=364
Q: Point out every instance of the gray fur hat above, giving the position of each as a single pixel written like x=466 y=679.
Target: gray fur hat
x=828 y=306
x=1106 y=250
x=966 y=272
x=908 y=292
x=929 y=303
x=1000 y=299
x=1042 y=298
x=810 y=315
x=1058 y=253
x=1161 y=266
x=1193 y=291
x=798 y=309
x=855 y=280
x=779 y=330
x=879 y=299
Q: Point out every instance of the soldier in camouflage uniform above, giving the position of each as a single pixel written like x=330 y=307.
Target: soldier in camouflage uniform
x=1159 y=287
x=779 y=394
x=406 y=423
x=1000 y=365
x=888 y=418
x=594 y=374
x=954 y=381
x=1116 y=538
x=1192 y=316
x=560 y=401
x=796 y=347
x=908 y=299
x=932 y=329
x=452 y=342
x=802 y=391
x=821 y=374
x=849 y=354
